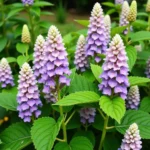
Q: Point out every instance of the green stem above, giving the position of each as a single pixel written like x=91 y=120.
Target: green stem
x=60 y=140
x=101 y=114
x=103 y=133
x=127 y=36
x=31 y=25
x=110 y=127
x=148 y=21
x=70 y=117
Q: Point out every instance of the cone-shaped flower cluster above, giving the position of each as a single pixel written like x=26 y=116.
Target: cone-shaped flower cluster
x=56 y=62
x=107 y=23
x=80 y=55
x=147 y=72
x=6 y=77
x=124 y=15
x=132 y=139
x=119 y=1
x=115 y=69
x=87 y=115
x=148 y=6
x=26 y=38
x=38 y=56
x=96 y=40
x=133 y=98
x=27 y=2
x=28 y=94
x=132 y=12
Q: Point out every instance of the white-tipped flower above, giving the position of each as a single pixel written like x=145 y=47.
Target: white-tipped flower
x=28 y=94
x=38 y=56
x=26 y=38
x=133 y=98
x=107 y=23
x=124 y=14
x=133 y=12
x=6 y=77
x=148 y=6
x=132 y=139
x=80 y=55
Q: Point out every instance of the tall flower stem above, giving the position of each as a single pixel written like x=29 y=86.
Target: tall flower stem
x=103 y=133
x=31 y=25
x=63 y=122
x=148 y=21
x=127 y=36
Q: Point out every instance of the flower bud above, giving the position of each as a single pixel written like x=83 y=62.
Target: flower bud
x=25 y=35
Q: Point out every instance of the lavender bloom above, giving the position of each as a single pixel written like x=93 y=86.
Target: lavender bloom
x=55 y=62
x=38 y=56
x=133 y=98
x=87 y=115
x=6 y=77
x=51 y=97
x=132 y=139
x=96 y=40
x=28 y=94
x=119 y=1
x=147 y=72
x=115 y=69
x=124 y=15
x=27 y=2
x=107 y=23
x=80 y=55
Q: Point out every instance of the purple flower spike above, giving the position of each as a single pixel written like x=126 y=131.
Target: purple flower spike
x=51 y=97
x=87 y=115
x=80 y=55
x=96 y=40
x=38 y=57
x=147 y=72
x=133 y=98
x=132 y=139
x=115 y=69
x=28 y=94
x=56 y=65
x=107 y=22
x=124 y=14
x=6 y=77
x=119 y=1
x=27 y=2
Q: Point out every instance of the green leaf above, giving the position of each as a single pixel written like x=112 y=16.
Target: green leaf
x=13 y=12
x=137 y=80
x=42 y=4
x=96 y=70
x=132 y=55
x=62 y=146
x=145 y=104
x=11 y=59
x=79 y=98
x=115 y=108
x=140 y=24
x=44 y=132
x=144 y=14
x=109 y=4
x=3 y=42
x=36 y=11
x=81 y=143
x=83 y=22
x=136 y=116
x=117 y=30
x=87 y=134
x=22 y=47
x=8 y=101
x=44 y=24
x=80 y=83
x=15 y=137
x=140 y=36
x=21 y=60
x=77 y=143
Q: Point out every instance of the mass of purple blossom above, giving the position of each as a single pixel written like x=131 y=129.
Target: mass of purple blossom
x=147 y=71
x=6 y=78
x=27 y=2
x=119 y=1
x=56 y=65
x=133 y=98
x=87 y=115
x=132 y=139
x=28 y=94
x=80 y=55
x=115 y=70
x=96 y=42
